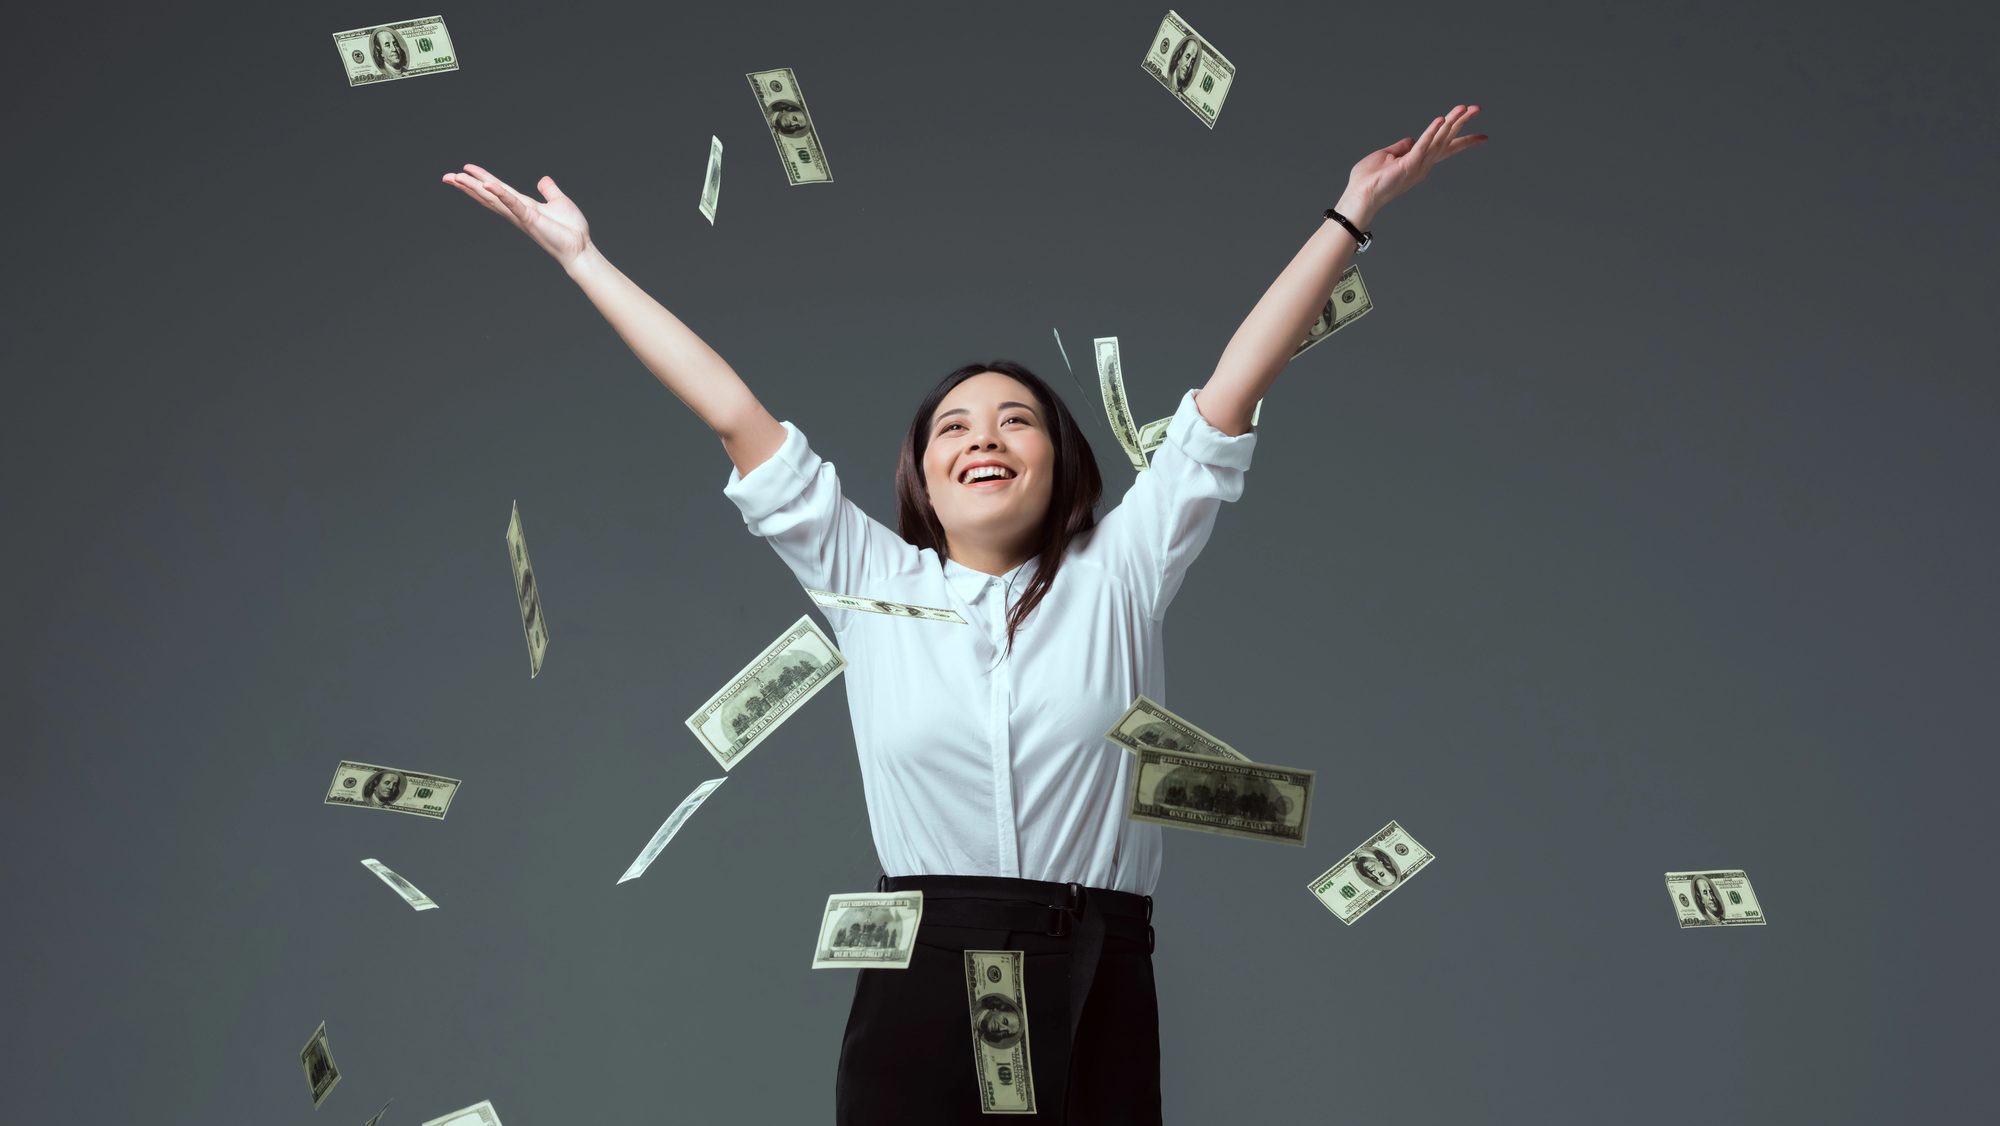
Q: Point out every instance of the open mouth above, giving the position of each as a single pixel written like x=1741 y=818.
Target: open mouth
x=991 y=477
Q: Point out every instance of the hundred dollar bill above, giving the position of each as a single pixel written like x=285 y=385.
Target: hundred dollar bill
x=1148 y=723
x=791 y=125
x=994 y=991
x=784 y=676
x=1153 y=433
x=867 y=930
x=533 y=627
x=378 y=1114
x=1209 y=794
x=1714 y=899
x=834 y=601
x=1343 y=307
x=478 y=1114
x=711 y=188
x=1111 y=384
x=369 y=786
x=317 y=1058
x=417 y=900
x=1189 y=68
x=389 y=51
x=1369 y=873
x=671 y=826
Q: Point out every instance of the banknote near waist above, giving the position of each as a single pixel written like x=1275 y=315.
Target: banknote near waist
x=478 y=1114
x=834 y=601
x=1367 y=875
x=1223 y=796
x=367 y=786
x=868 y=930
x=417 y=900
x=791 y=125
x=1190 y=69
x=668 y=828
x=1714 y=899
x=386 y=52
x=533 y=626
x=790 y=671
x=1148 y=723
x=995 y=991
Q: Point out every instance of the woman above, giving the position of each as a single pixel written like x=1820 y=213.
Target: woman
x=989 y=784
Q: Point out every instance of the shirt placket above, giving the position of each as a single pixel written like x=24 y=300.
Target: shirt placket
x=1000 y=699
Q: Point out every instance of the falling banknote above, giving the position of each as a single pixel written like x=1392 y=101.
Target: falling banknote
x=1111 y=384
x=1148 y=723
x=478 y=1114
x=1189 y=68
x=667 y=830
x=834 y=601
x=994 y=992
x=1220 y=795
x=1343 y=307
x=378 y=1114
x=533 y=627
x=791 y=125
x=768 y=690
x=1714 y=899
x=868 y=930
x=711 y=188
x=390 y=51
x=417 y=900
x=1367 y=875
x=317 y=1058
x=367 y=786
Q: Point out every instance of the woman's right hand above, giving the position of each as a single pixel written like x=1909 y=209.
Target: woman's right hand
x=557 y=225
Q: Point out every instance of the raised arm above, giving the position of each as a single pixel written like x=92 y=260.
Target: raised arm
x=1266 y=339
x=678 y=358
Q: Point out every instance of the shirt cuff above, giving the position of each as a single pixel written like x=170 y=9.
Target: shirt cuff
x=777 y=480
x=1199 y=439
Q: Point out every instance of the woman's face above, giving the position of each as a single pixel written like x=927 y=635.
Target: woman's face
x=991 y=417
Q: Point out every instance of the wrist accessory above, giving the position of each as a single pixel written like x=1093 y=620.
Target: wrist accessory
x=1361 y=238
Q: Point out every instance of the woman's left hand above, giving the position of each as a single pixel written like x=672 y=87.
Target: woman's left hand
x=1384 y=174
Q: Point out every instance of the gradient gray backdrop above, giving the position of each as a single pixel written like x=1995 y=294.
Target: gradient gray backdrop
x=1646 y=524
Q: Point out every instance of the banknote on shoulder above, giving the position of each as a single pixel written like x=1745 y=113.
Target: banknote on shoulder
x=790 y=671
x=1367 y=875
x=367 y=786
x=997 y=996
x=1148 y=723
x=1714 y=899
x=1223 y=796
x=868 y=930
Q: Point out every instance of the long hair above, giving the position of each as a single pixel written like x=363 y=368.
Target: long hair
x=1072 y=497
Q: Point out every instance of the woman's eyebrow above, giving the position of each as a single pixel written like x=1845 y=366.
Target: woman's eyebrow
x=962 y=410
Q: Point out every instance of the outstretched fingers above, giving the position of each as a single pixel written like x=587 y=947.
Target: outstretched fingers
x=478 y=191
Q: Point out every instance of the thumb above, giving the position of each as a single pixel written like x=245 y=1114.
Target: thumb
x=549 y=189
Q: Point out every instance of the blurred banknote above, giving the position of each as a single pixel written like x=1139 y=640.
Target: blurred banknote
x=1111 y=384
x=317 y=1058
x=378 y=1114
x=369 y=786
x=1148 y=723
x=768 y=690
x=478 y=1114
x=1220 y=795
x=389 y=51
x=1189 y=68
x=995 y=993
x=1714 y=899
x=667 y=830
x=834 y=601
x=711 y=188
x=1367 y=875
x=532 y=626
x=417 y=900
x=868 y=930
x=791 y=125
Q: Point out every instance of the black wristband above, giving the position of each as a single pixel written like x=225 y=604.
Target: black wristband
x=1361 y=238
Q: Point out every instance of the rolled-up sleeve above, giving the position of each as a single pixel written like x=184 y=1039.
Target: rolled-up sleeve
x=1165 y=518
x=794 y=502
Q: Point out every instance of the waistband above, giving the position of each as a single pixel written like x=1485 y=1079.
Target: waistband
x=1008 y=903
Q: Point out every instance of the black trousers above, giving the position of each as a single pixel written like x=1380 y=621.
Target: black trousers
x=1087 y=978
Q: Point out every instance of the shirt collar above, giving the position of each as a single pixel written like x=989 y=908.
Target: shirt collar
x=968 y=582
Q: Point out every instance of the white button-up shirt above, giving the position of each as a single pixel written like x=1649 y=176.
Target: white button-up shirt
x=979 y=765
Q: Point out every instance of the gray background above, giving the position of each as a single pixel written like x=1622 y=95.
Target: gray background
x=1646 y=524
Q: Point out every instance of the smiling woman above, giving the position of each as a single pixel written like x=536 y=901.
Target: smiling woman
x=990 y=785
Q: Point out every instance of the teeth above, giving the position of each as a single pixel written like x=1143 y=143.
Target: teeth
x=986 y=473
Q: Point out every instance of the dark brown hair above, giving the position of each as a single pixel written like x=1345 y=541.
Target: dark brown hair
x=1072 y=497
